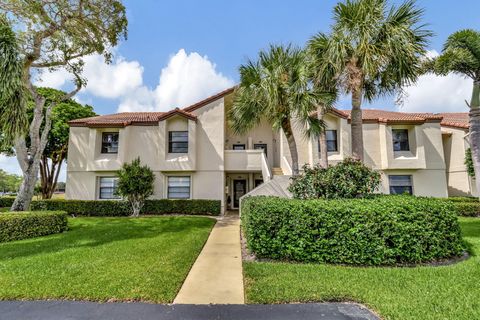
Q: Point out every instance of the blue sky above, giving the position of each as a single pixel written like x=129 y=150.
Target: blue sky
x=179 y=52
x=225 y=34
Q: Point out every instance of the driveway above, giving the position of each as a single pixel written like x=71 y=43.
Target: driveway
x=75 y=310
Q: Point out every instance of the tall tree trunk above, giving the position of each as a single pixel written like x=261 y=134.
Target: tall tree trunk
x=322 y=140
x=357 y=124
x=292 y=145
x=29 y=157
x=475 y=131
x=49 y=173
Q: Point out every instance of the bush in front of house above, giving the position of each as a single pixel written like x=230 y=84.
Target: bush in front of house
x=465 y=206
x=6 y=201
x=115 y=208
x=135 y=184
x=24 y=225
x=347 y=179
x=377 y=231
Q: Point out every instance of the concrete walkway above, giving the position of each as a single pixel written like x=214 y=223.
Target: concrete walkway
x=77 y=310
x=216 y=276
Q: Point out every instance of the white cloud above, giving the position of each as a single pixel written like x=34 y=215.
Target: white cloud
x=434 y=93
x=186 y=79
x=103 y=80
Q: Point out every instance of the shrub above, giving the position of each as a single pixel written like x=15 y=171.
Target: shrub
x=6 y=201
x=135 y=184
x=378 y=231
x=465 y=206
x=23 y=225
x=347 y=179
x=122 y=208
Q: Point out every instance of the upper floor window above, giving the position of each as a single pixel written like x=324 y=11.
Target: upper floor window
x=400 y=184
x=400 y=140
x=331 y=140
x=238 y=146
x=108 y=186
x=178 y=141
x=261 y=146
x=110 y=142
x=178 y=187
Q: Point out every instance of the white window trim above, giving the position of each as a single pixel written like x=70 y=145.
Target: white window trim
x=165 y=193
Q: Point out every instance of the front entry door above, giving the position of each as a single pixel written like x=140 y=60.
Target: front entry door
x=239 y=189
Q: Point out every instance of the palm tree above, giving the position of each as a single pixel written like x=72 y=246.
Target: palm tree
x=277 y=88
x=371 y=51
x=461 y=55
x=12 y=91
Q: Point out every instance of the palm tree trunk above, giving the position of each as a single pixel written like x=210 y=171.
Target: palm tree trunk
x=475 y=131
x=357 y=124
x=292 y=145
x=322 y=141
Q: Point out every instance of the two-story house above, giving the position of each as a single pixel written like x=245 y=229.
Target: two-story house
x=195 y=155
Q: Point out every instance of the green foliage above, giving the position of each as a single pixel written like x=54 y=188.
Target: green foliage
x=113 y=208
x=6 y=202
x=371 y=47
x=17 y=226
x=379 y=231
x=464 y=206
x=12 y=89
x=469 y=162
x=9 y=182
x=135 y=184
x=347 y=179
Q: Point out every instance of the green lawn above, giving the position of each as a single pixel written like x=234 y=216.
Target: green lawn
x=447 y=292
x=105 y=259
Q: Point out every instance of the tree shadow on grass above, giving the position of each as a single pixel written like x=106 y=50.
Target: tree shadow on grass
x=94 y=232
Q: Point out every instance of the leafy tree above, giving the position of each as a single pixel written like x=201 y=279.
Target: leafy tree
x=347 y=179
x=52 y=35
x=277 y=88
x=135 y=184
x=12 y=89
x=9 y=182
x=56 y=148
x=461 y=55
x=372 y=50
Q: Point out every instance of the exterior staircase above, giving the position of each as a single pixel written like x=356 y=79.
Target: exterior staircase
x=277 y=171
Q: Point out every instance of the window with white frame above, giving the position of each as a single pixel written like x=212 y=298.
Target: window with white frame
x=178 y=187
x=110 y=142
x=400 y=184
x=178 y=142
x=107 y=188
x=400 y=140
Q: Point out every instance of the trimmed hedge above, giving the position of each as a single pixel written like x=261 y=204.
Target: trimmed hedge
x=465 y=206
x=24 y=225
x=112 y=208
x=6 y=201
x=378 y=231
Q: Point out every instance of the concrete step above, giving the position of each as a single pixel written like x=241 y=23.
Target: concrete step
x=277 y=171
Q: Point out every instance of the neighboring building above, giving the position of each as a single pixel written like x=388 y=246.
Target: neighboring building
x=194 y=153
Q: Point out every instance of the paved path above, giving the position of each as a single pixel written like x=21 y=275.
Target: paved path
x=75 y=310
x=216 y=276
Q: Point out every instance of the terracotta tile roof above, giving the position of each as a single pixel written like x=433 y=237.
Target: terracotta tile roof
x=375 y=115
x=455 y=120
x=118 y=119
x=145 y=118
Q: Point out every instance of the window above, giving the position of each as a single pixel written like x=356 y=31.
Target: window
x=261 y=146
x=331 y=140
x=178 y=141
x=110 y=142
x=400 y=140
x=108 y=186
x=178 y=188
x=238 y=147
x=400 y=184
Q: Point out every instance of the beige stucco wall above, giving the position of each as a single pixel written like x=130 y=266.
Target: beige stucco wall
x=455 y=144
